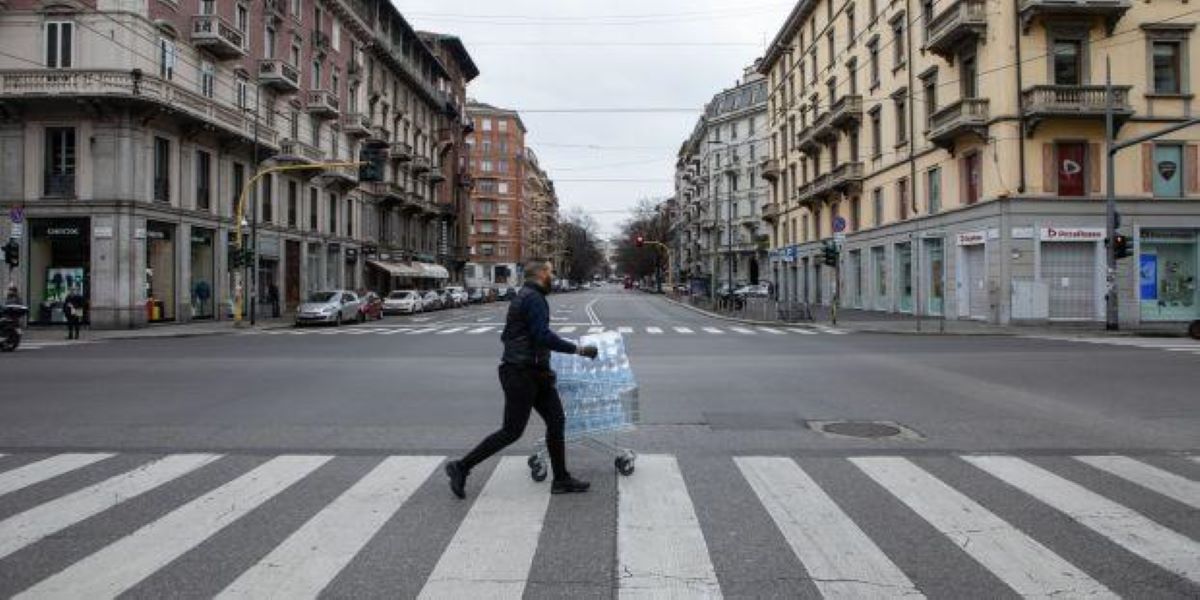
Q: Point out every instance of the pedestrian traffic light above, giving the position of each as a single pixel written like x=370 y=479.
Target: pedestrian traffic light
x=1121 y=247
x=639 y=241
x=372 y=159
x=12 y=254
x=830 y=252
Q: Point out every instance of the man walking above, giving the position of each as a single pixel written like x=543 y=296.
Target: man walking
x=528 y=383
x=73 y=309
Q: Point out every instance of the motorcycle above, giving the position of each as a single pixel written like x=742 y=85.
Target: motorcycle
x=10 y=326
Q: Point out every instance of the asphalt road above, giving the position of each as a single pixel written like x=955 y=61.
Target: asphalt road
x=301 y=461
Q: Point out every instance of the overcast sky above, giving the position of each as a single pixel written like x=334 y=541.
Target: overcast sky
x=568 y=55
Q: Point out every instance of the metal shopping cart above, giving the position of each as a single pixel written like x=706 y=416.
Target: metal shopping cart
x=600 y=398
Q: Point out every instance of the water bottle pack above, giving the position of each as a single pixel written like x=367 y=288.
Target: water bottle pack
x=600 y=394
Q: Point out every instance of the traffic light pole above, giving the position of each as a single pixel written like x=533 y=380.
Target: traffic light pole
x=238 y=285
x=667 y=249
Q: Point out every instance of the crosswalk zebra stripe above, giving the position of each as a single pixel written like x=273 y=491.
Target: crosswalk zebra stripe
x=1025 y=565
x=503 y=525
x=26 y=528
x=567 y=329
x=684 y=330
x=1131 y=530
x=394 y=331
x=422 y=330
x=451 y=330
x=661 y=549
x=625 y=330
x=1153 y=478
x=595 y=330
x=771 y=331
x=841 y=560
x=802 y=331
x=830 y=330
x=122 y=564
x=654 y=330
x=479 y=330
x=742 y=330
x=48 y=468
x=312 y=556
x=714 y=330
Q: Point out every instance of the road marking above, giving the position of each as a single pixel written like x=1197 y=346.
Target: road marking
x=771 y=331
x=567 y=329
x=422 y=330
x=590 y=311
x=1152 y=478
x=742 y=330
x=482 y=319
x=624 y=330
x=310 y=558
x=841 y=560
x=830 y=330
x=654 y=330
x=1026 y=566
x=480 y=330
x=684 y=330
x=358 y=331
x=451 y=330
x=595 y=330
x=802 y=331
x=492 y=551
x=394 y=331
x=1129 y=529
x=44 y=469
x=421 y=319
x=122 y=564
x=714 y=330
x=660 y=547
x=33 y=525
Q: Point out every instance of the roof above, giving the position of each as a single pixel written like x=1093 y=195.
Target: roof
x=790 y=26
x=475 y=107
x=456 y=48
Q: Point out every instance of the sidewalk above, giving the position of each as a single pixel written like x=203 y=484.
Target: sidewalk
x=40 y=333
x=864 y=321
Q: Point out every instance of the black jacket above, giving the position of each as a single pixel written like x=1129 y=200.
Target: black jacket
x=527 y=337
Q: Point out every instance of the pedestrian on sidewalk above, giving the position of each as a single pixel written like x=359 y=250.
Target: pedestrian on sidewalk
x=73 y=309
x=273 y=299
x=12 y=295
x=528 y=383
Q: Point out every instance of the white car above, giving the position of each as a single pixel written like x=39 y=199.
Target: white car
x=404 y=302
x=432 y=301
x=331 y=306
x=458 y=294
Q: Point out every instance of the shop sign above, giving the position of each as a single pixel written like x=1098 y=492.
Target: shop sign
x=139 y=233
x=67 y=231
x=102 y=232
x=1072 y=234
x=972 y=238
x=1168 y=235
x=351 y=254
x=1022 y=233
x=156 y=234
x=268 y=246
x=17 y=231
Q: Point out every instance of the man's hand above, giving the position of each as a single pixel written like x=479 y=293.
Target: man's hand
x=588 y=351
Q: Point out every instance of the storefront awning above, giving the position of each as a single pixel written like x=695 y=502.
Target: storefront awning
x=431 y=271
x=396 y=269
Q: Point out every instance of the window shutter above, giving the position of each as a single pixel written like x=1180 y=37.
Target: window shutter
x=1191 y=168
x=1147 y=167
x=1094 y=166
x=964 y=176
x=1049 y=170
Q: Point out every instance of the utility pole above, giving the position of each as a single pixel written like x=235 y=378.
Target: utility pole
x=1111 y=321
x=254 y=216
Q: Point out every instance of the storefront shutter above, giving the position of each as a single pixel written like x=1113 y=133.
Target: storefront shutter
x=1094 y=166
x=1147 y=167
x=1049 y=169
x=1191 y=168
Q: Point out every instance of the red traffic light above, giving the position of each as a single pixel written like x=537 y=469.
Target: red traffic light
x=639 y=241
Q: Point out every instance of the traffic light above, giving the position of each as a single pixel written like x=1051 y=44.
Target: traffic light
x=1121 y=247
x=240 y=258
x=372 y=159
x=639 y=241
x=12 y=254
x=830 y=252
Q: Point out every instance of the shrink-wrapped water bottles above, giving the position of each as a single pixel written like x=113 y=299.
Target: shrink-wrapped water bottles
x=601 y=394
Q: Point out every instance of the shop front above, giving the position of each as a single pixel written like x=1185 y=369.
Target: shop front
x=268 y=292
x=333 y=266
x=879 y=266
x=160 y=272
x=314 y=277
x=1167 y=263
x=1072 y=264
x=904 y=277
x=352 y=270
x=935 y=276
x=203 y=273
x=972 y=275
x=59 y=263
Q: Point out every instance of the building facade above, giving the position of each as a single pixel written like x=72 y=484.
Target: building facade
x=130 y=129
x=721 y=192
x=497 y=166
x=541 y=234
x=959 y=148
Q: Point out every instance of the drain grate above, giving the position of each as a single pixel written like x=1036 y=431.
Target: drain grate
x=871 y=430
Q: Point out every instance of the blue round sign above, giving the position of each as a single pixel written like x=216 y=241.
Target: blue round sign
x=839 y=224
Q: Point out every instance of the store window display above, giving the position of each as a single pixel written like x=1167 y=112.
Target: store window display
x=1167 y=275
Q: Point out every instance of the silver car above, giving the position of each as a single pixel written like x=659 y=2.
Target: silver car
x=405 y=302
x=331 y=307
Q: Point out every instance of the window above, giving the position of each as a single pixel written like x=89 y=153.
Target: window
x=972 y=165
x=208 y=7
x=503 y=229
x=873 y=9
x=901 y=103
x=930 y=91
x=269 y=43
x=852 y=76
x=239 y=181
x=502 y=187
x=812 y=76
x=829 y=42
x=876 y=133
x=167 y=54
x=203 y=180
x=59 y=178
x=487 y=124
x=927 y=15
x=243 y=19
x=208 y=79
x=335 y=36
x=295 y=56
x=333 y=213
x=294 y=124
x=335 y=83
x=898 y=41
x=60 y=39
x=853 y=137
x=243 y=92
x=293 y=204
x=873 y=50
x=313 y=225
x=855 y=213
x=162 y=170
x=297 y=7
x=318 y=18
x=1068 y=62
x=314 y=126
x=1167 y=71
x=969 y=76
x=349 y=217
x=850 y=26
x=316 y=75
x=933 y=189
x=502 y=207
x=502 y=166
x=267 y=199
x=902 y=197
x=877 y=206
x=502 y=125
x=486 y=166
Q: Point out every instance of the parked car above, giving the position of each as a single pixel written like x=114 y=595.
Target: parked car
x=331 y=306
x=403 y=302
x=458 y=294
x=760 y=290
x=476 y=295
x=431 y=301
x=370 y=307
x=506 y=293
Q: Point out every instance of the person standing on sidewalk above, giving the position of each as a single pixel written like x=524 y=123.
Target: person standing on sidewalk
x=73 y=308
x=528 y=383
x=273 y=299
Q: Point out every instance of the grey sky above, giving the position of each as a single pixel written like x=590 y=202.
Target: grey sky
x=575 y=54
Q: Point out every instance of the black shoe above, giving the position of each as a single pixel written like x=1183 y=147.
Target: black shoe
x=458 y=478
x=569 y=485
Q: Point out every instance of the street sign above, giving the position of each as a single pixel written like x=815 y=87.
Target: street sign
x=839 y=224
x=839 y=238
x=16 y=214
x=17 y=230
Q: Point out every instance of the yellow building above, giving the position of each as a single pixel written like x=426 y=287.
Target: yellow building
x=959 y=146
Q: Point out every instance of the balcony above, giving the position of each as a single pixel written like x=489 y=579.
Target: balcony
x=322 y=103
x=821 y=186
x=968 y=115
x=847 y=112
x=345 y=178
x=1042 y=102
x=436 y=176
x=295 y=150
x=421 y=164
x=1110 y=10
x=356 y=124
x=846 y=178
x=218 y=37
x=277 y=8
x=770 y=169
x=770 y=212
x=401 y=151
x=388 y=193
x=320 y=41
x=278 y=75
x=962 y=22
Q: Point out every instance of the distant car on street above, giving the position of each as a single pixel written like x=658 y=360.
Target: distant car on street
x=330 y=307
x=476 y=295
x=403 y=302
x=431 y=300
x=506 y=293
x=458 y=295
x=370 y=307
x=760 y=290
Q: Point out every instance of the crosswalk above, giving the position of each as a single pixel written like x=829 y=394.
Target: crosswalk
x=28 y=344
x=1182 y=345
x=103 y=524
x=565 y=329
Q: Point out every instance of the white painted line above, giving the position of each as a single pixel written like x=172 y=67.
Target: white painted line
x=314 y=554
x=771 y=331
x=595 y=330
x=451 y=330
x=841 y=560
x=393 y=331
x=492 y=551
x=1153 y=478
x=1145 y=538
x=661 y=550
x=655 y=330
x=1026 y=566
x=422 y=330
x=714 y=330
x=742 y=330
x=21 y=530
x=567 y=329
x=358 y=331
x=482 y=319
x=684 y=330
x=624 y=330
x=122 y=564
x=21 y=477
x=479 y=330
x=830 y=330
x=802 y=331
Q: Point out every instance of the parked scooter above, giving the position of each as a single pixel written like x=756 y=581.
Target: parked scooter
x=10 y=326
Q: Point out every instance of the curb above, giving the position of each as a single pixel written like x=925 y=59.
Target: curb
x=134 y=335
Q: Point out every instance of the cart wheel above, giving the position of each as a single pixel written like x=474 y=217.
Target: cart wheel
x=537 y=468
x=624 y=465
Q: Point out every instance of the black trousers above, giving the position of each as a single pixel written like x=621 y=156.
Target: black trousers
x=73 y=324
x=526 y=390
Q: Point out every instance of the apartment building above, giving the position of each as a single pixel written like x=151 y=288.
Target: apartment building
x=959 y=148
x=130 y=131
x=497 y=165
x=541 y=234
x=721 y=192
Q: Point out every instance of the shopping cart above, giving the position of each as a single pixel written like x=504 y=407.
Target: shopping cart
x=600 y=398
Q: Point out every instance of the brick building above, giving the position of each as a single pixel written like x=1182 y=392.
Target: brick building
x=497 y=168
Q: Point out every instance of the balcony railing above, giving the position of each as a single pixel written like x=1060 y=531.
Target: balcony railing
x=162 y=189
x=56 y=185
x=1111 y=10
x=770 y=212
x=420 y=164
x=320 y=41
x=356 y=124
x=847 y=177
x=276 y=73
x=959 y=23
x=770 y=168
x=322 y=103
x=401 y=151
x=297 y=150
x=847 y=111
x=217 y=36
x=277 y=7
x=968 y=115
x=1042 y=102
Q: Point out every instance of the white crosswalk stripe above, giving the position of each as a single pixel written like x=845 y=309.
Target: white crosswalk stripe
x=1168 y=484
x=625 y=330
x=771 y=331
x=1168 y=345
x=830 y=330
x=684 y=330
x=42 y=470
x=451 y=330
x=595 y=330
x=567 y=329
x=802 y=331
x=742 y=330
x=479 y=330
x=713 y=330
x=654 y=330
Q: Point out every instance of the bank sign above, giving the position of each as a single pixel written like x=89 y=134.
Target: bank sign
x=1072 y=234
